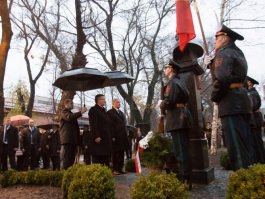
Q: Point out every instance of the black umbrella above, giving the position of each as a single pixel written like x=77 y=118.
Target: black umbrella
x=116 y=78
x=82 y=79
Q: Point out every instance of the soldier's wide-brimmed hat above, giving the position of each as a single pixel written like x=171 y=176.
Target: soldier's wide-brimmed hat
x=253 y=81
x=173 y=64
x=228 y=32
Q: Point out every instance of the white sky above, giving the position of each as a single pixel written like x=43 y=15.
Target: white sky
x=253 y=45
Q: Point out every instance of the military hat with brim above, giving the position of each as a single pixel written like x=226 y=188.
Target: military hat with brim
x=253 y=81
x=173 y=64
x=230 y=33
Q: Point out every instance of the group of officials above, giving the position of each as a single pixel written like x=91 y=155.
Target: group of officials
x=25 y=146
x=105 y=140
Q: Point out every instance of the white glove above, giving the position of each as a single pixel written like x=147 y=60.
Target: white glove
x=207 y=59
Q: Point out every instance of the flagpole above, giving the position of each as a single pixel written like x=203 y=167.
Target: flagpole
x=202 y=31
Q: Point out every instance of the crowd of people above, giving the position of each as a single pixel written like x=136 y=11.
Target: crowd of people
x=105 y=139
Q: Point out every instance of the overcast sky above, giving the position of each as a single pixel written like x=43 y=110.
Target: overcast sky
x=253 y=46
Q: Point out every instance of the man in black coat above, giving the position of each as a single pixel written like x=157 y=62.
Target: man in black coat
x=86 y=144
x=55 y=147
x=45 y=149
x=229 y=93
x=9 y=142
x=69 y=133
x=178 y=120
x=119 y=136
x=32 y=136
x=257 y=122
x=101 y=137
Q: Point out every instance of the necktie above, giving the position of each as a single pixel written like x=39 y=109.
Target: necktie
x=5 y=137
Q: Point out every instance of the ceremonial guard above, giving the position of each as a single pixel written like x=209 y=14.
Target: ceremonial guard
x=55 y=147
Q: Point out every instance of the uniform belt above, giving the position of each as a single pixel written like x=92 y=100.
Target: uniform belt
x=236 y=85
x=180 y=105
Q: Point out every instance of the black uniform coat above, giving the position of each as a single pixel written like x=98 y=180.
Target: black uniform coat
x=12 y=138
x=69 y=128
x=176 y=117
x=256 y=103
x=230 y=67
x=100 y=127
x=54 y=143
x=44 y=143
x=119 y=131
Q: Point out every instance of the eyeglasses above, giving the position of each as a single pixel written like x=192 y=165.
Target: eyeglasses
x=168 y=66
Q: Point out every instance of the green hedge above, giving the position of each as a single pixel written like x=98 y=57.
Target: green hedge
x=225 y=161
x=93 y=181
x=247 y=183
x=159 y=186
x=42 y=177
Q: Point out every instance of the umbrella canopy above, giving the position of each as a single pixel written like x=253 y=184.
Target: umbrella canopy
x=47 y=126
x=82 y=79
x=18 y=120
x=116 y=78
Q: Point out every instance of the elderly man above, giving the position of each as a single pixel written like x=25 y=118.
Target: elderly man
x=229 y=93
x=69 y=132
x=120 y=141
x=9 y=144
x=32 y=136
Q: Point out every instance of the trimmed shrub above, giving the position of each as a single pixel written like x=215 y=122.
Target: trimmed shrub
x=68 y=177
x=225 y=161
x=130 y=166
x=159 y=151
x=247 y=183
x=159 y=186
x=93 y=181
x=42 y=177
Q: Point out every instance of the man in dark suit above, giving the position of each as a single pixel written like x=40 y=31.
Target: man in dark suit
x=120 y=141
x=9 y=142
x=101 y=138
x=45 y=149
x=55 y=147
x=234 y=104
x=69 y=132
x=257 y=122
x=86 y=144
x=32 y=136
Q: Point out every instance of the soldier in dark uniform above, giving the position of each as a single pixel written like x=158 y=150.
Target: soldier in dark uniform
x=229 y=93
x=257 y=122
x=101 y=137
x=86 y=144
x=55 y=147
x=119 y=136
x=9 y=142
x=178 y=120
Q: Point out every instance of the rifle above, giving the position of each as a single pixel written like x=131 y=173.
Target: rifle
x=160 y=127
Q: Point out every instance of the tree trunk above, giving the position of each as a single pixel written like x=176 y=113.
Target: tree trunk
x=31 y=100
x=214 y=130
x=4 y=48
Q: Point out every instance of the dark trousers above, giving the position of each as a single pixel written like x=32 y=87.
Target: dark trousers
x=258 y=146
x=181 y=149
x=7 y=155
x=87 y=156
x=236 y=130
x=118 y=160
x=101 y=159
x=21 y=163
x=55 y=162
x=34 y=157
x=68 y=155
x=46 y=160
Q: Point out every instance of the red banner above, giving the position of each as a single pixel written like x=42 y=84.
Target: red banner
x=185 y=27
